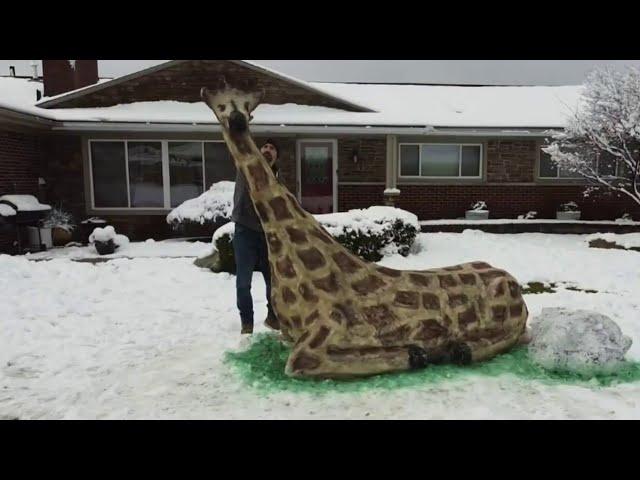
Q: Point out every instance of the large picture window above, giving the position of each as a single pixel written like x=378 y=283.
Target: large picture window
x=155 y=174
x=440 y=160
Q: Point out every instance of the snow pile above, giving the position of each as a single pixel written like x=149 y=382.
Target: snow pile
x=25 y=203
x=213 y=204
x=107 y=234
x=579 y=341
x=626 y=240
x=6 y=210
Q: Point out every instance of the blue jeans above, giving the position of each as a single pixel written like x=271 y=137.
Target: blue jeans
x=250 y=251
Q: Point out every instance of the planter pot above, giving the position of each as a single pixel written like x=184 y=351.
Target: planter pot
x=477 y=214
x=105 y=248
x=44 y=238
x=60 y=237
x=568 y=215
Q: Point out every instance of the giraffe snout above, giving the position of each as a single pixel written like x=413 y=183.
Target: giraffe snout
x=237 y=122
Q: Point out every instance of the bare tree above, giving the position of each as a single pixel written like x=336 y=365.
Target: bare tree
x=601 y=141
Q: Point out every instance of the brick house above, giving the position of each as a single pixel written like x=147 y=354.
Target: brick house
x=130 y=149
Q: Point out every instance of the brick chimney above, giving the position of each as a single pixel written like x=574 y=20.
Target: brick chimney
x=60 y=76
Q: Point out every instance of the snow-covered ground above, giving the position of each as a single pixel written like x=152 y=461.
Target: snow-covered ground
x=147 y=249
x=145 y=338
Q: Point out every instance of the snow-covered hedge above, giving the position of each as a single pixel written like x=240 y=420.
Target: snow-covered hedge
x=212 y=206
x=370 y=233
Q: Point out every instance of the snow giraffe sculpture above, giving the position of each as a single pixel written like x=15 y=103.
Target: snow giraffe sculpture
x=345 y=316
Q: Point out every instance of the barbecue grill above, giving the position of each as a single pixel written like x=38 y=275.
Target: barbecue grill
x=29 y=212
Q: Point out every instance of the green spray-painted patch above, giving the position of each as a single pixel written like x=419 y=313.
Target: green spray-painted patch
x=262 y=366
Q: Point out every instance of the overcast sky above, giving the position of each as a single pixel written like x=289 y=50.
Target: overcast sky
x=487 y=72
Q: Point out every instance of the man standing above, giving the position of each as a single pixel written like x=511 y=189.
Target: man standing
x=250 y=246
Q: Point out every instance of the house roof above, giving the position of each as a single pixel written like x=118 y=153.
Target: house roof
x=181 y=81
x=417 y=106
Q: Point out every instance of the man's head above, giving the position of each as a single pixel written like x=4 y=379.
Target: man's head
x=270 y=151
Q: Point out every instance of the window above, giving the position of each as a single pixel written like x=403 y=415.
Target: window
x=185 y=171
x=146 y=185
x=155 y=174
x=439 y=160
x=606 y=167
x=549 y=169
x=109 y=165
x=218 y=163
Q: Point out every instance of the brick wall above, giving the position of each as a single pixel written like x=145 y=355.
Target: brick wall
x=509 y=201
x=371 y=165
x=511 y=160
x=20 y=165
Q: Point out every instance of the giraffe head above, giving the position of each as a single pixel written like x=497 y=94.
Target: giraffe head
x=232 y=106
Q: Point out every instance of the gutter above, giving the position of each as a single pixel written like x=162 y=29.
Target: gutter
x=303 y=129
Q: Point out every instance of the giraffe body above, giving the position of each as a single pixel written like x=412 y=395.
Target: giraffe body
x=348 y=317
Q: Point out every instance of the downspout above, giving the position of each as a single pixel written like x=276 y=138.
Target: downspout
x=391 y=192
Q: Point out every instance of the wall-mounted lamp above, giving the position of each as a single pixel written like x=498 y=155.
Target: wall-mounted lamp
x=354 y=155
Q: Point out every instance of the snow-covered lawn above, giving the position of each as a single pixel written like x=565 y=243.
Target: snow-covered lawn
x=146 y=337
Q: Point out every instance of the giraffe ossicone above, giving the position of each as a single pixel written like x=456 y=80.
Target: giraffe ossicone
x=348 y=317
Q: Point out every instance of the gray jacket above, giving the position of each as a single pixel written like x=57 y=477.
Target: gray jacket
x=243 y=211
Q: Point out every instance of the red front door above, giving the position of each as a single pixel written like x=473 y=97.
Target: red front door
x=316 y=176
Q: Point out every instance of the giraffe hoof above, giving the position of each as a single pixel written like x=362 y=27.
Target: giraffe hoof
x=460 y=354
x=417 y=357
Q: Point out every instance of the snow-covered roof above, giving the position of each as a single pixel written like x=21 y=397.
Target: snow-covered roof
x=394 y=105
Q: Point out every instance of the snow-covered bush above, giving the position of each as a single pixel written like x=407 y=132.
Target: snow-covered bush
x=601 y=142
x=210 y=208
x=370 y=233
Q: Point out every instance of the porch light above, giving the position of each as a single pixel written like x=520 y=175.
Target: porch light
x=354 y=155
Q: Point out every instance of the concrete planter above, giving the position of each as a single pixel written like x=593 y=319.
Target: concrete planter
x=568 y=215
x=477 y=214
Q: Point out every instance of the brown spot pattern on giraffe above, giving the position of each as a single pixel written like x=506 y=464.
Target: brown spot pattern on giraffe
x=345 y=263
x=467 y=317
x=307 y=294
x=312 y=258
x=457 y=300
x=296 y=206
x=430 y=329
x=447 y=281
x=321 y=235
x=304 y=361
x=407 y=299
x=280 y=208
x=514 y=289
x=499 y=313
x=480 y=265
x=368 y=284
x=328 y=284
x=259 y=176
x=347 y=312
x=422 y=280
x=431 y=301
x=389 y=272
x=285 y=267
x=378 y=315
x=311 y=318
x=288 y=296
x=394 y=336
x=468 y=278
x=516 y=309
x=487 y=277
x=262 y=212
x=274 y=242
x=321 y=336
x=296 y=235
